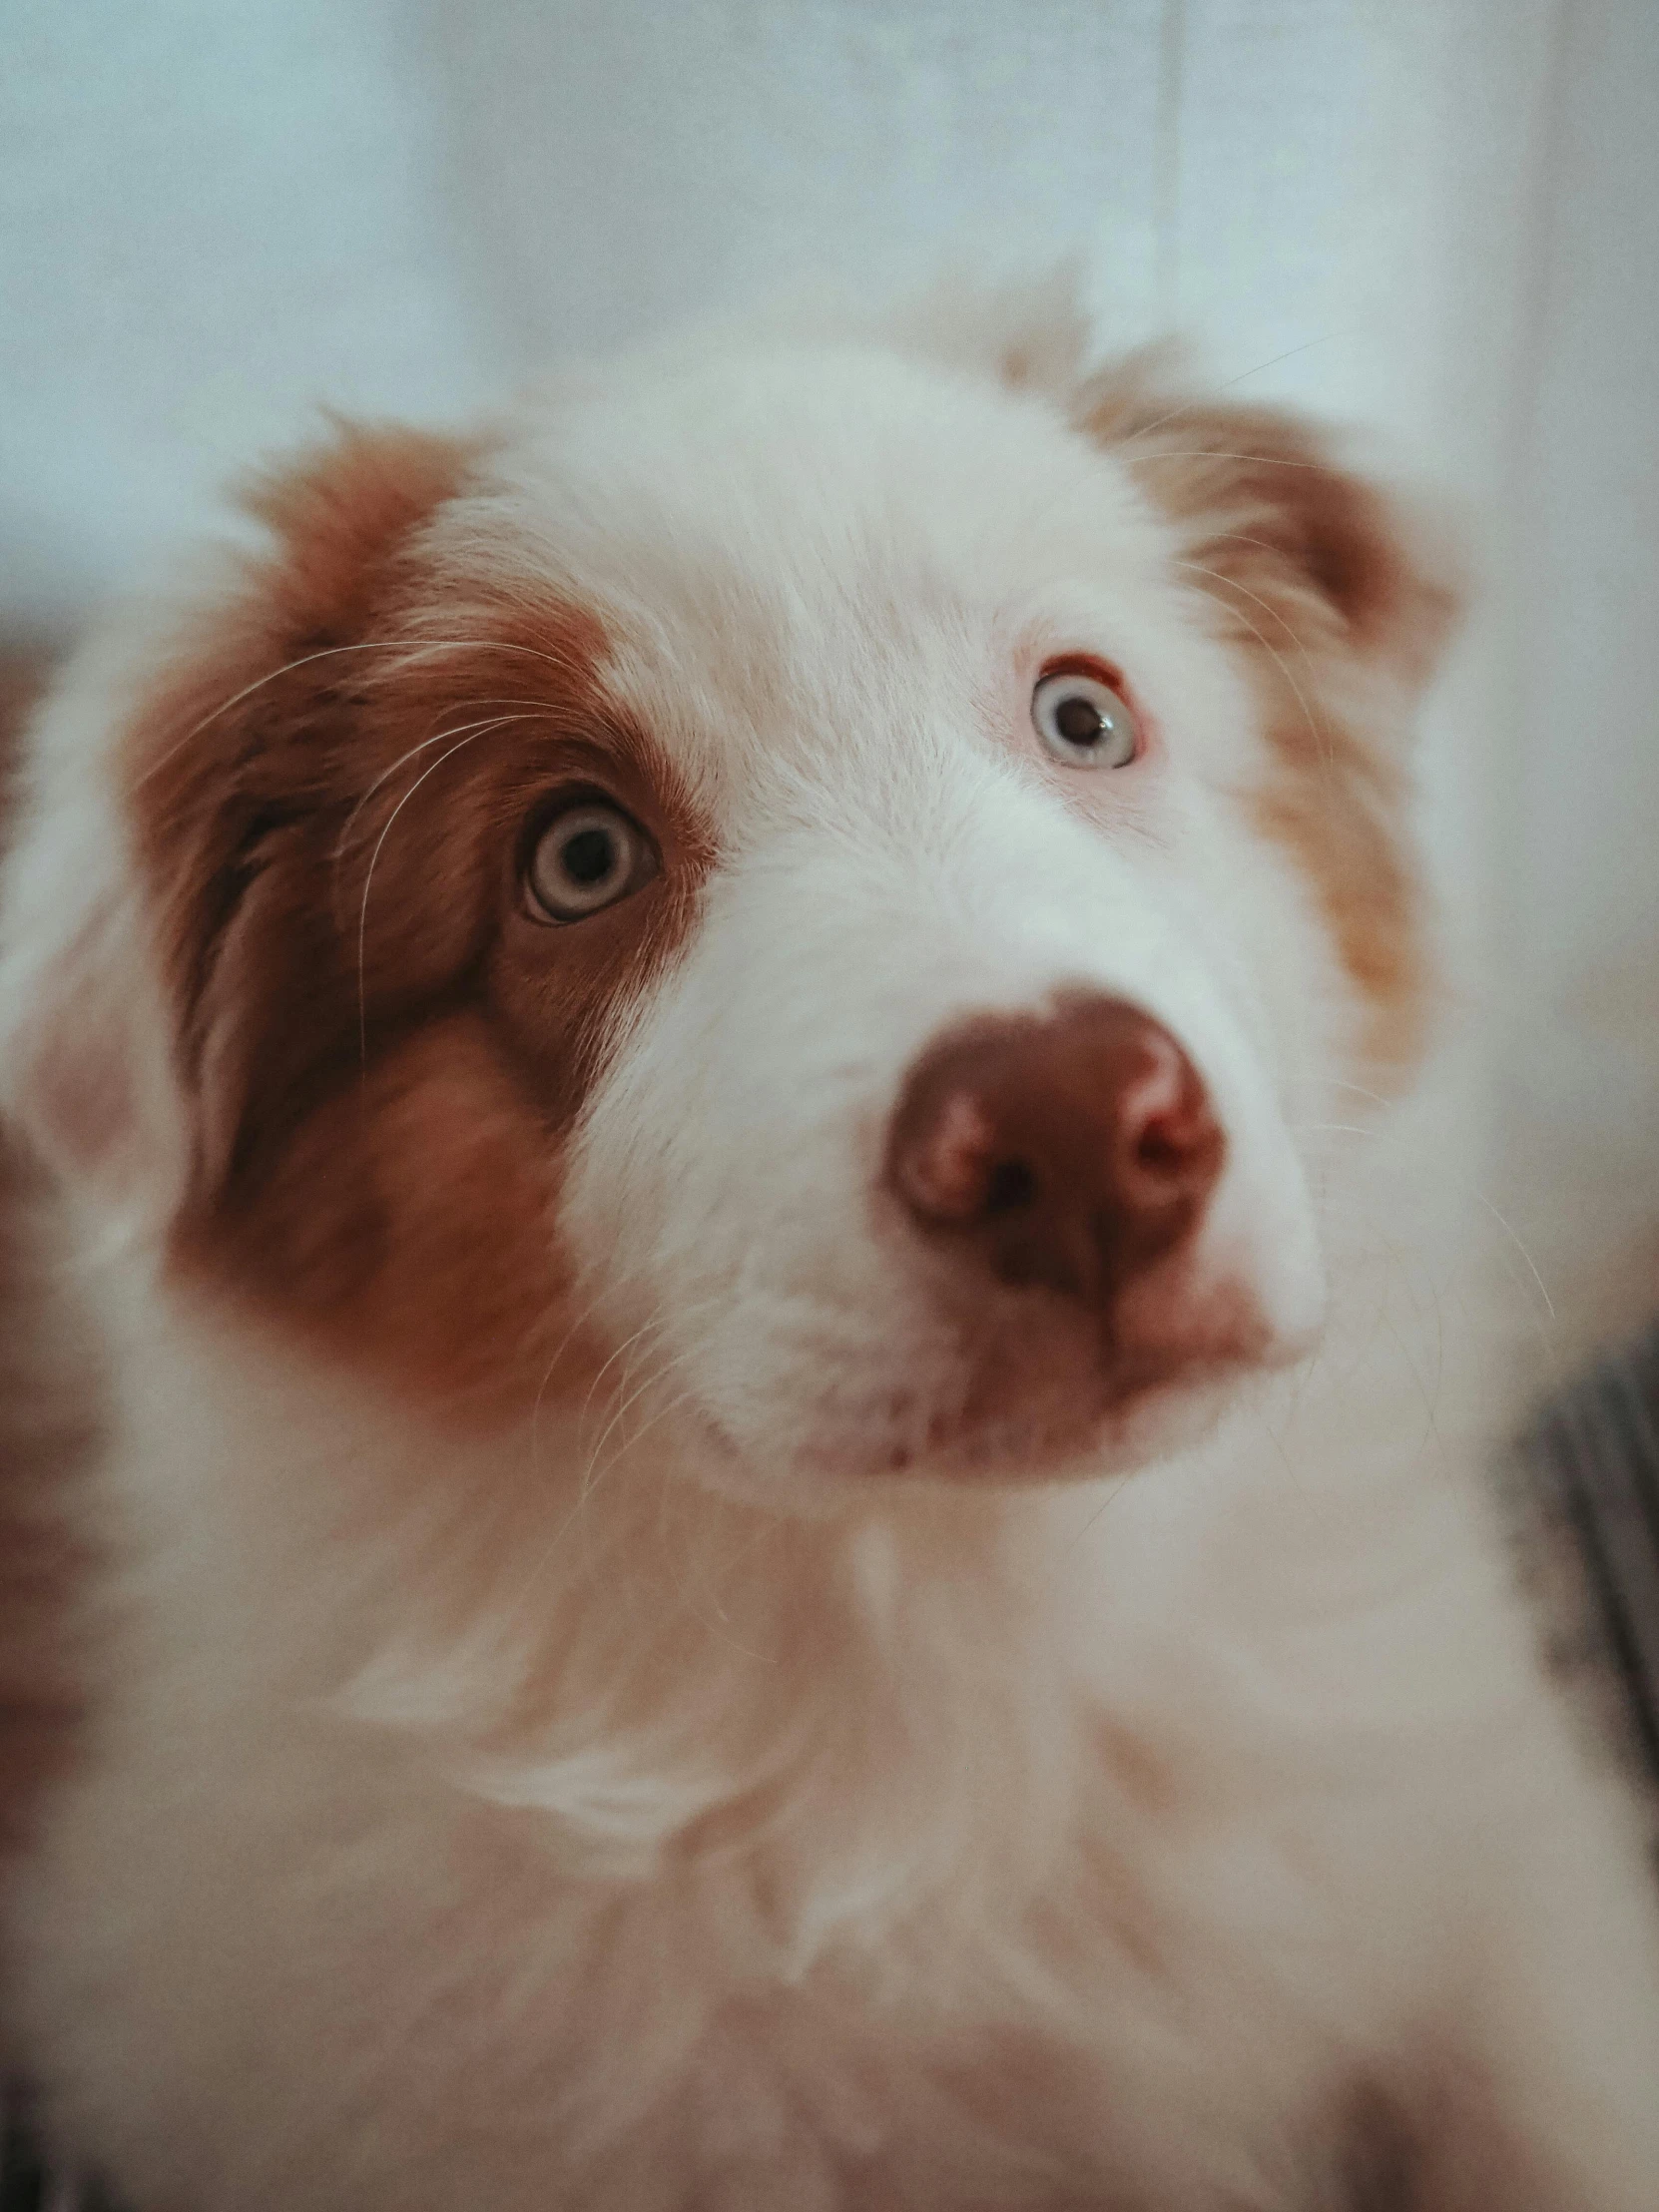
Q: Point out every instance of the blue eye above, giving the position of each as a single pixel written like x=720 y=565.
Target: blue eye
x=1084 y=721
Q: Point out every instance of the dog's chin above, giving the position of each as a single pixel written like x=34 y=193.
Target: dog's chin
x=1133 y=1421
x=1123 y=1419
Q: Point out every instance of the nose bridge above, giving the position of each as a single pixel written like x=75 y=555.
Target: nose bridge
x=964 y=893
x=1045 y=900
x=878 y=897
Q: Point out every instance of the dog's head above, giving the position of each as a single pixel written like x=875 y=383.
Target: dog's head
x=835 y=864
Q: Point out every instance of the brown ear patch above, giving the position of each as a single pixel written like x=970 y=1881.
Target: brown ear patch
x=383 y=1055
x=51 y=1390
x=342 y=514
x=1339 y=602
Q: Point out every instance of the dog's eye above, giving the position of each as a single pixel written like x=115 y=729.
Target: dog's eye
x=1084 y=720
x=586 y=858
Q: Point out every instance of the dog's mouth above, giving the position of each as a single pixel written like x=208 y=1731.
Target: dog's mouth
x=1142 y=1409
x=1045 y=1394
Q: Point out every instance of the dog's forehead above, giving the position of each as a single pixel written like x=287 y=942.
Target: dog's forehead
x=802 y=541
x=832 y=449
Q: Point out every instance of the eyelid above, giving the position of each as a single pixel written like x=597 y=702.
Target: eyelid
x=579 y=790
x=1088 y=664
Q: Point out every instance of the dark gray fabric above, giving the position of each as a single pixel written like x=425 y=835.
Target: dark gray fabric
x=26 y=2183
x=1589 y=1475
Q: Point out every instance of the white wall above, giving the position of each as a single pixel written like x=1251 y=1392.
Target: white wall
x=1582 y=764
x=212 y=214
x=216 y=211
x=1442 y=215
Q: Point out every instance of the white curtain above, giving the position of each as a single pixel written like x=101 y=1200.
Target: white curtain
x=1438 y=216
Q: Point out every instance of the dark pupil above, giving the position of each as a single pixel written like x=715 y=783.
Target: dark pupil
x=588 y=856
x=1079 y=720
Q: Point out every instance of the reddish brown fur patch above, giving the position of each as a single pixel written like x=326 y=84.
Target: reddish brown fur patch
x=48 y=1425
x=436 y=1173
x=1340 y=608
x=384 y=1051
x=25 y=672
x=48 y=1433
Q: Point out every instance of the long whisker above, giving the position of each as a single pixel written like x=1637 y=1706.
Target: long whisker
x=1319 y=735
x=625 y=1403
x=1200 y=399
x=455 y=730
x=411 y=650
x=1232 y=584
x=369 y=881
x=1241 y=537
x=625 y=1397
x=589 y=1484
x=1118 y=1485
x=1341 y=1083
x=1215 y=453
x=538 y=709
x=565 y=1342
x=655 y=1321
x=1515 y=1239
x=659 y=1323
x=595 y=1473
x=1471 y=1190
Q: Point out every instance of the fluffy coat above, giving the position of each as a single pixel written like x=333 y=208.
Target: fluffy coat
x=615 y=1675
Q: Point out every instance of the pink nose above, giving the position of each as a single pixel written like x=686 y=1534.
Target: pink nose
x=1071 y=1150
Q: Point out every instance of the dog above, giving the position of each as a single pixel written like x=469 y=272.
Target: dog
x=789 y=1506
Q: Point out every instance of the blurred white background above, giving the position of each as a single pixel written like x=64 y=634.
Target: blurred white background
x=1440 y=216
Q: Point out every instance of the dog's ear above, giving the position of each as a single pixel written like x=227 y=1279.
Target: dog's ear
x=1272 y=519
x=339 y=514
x=241 y=778
x=238 y=786
x=1296 y=543
x=69 y=965
x=177 y=759
x=1337 y=597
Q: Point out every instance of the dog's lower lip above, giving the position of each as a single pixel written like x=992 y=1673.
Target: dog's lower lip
x=970 y=1449
x=985 y=1448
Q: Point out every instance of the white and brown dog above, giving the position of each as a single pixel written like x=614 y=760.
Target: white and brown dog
x=669 y=1040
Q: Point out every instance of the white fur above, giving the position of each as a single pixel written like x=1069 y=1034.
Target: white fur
x=655 y=1808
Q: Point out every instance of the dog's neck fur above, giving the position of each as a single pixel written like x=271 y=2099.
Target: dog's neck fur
x=563 y=1623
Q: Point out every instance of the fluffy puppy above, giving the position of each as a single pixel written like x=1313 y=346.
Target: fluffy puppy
x=671 y=1038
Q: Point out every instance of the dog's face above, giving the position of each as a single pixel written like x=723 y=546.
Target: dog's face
x=830 y=875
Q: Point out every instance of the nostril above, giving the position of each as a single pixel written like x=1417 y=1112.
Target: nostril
x=1172 y=1147
x=942 y=1156
x=1170 y=1137
x=1159 y=1149
x=1010 y=1185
